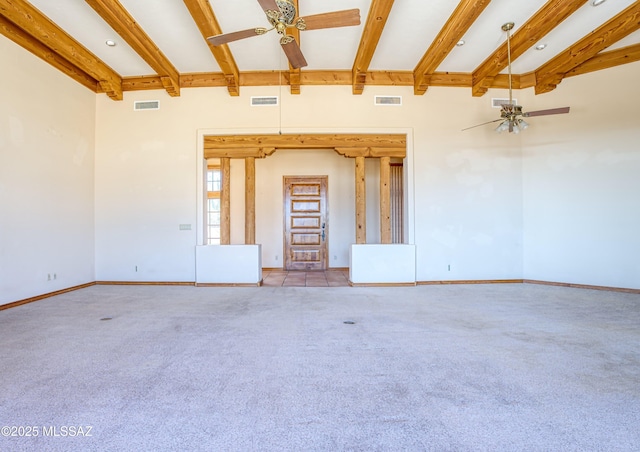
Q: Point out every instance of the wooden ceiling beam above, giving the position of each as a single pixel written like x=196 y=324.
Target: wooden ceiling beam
x=605 y=60
x=34 y=46
x=29 y=19
x=550 y=74
x=326 y=77
x=323 y=78
x=125 y=25
x=542 y=22
x=462 y=18
x=376 y=20
x=205 y=19
x=200 y=80
x=602 y=60
x=29 y=28
x=295 y=77
x=141 y=83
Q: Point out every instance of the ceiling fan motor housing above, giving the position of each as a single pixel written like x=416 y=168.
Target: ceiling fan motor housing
x=510 y=111
x=288 y=10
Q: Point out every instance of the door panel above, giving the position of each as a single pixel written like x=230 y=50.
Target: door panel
x=304 y=206
x=306 y=222
x=305 y=239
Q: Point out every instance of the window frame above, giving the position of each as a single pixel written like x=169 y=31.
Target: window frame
x=213 y=194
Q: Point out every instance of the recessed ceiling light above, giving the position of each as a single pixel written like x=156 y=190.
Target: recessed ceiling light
x=110 y=43
x=541 y=46
x=461 y=43
x=597 y=2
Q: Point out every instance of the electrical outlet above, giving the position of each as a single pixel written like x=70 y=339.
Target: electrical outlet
x=449 y=267
x=48 y=276
x=55 y=276
x=136 y=268
x=276 y=257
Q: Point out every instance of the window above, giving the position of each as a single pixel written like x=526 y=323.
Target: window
x=397 y=203
x=214 y=182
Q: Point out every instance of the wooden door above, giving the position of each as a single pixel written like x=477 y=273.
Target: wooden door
x=306 y=227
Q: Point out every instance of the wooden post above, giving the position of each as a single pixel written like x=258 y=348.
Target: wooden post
x=225 y=201
x=385 y=200
x=361 y=202
x=250 y=201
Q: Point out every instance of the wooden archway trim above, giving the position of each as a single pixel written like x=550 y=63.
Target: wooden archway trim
x=353 y=145
x=350 y=145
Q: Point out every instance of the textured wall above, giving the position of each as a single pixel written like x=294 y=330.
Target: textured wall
x=46 y=178
x=581 y=184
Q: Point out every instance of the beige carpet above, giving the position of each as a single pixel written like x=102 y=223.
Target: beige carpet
x=442 y=368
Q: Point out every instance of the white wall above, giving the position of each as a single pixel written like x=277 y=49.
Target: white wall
x=582 y=182
x=468 y=198
x=473 y=211
x=46 y=177
x=468 y=191
x=145 y=189
x=558 y=202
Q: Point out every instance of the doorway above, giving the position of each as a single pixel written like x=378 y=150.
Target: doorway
x=306 y=227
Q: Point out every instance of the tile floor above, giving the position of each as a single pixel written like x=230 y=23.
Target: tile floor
x=329 y=278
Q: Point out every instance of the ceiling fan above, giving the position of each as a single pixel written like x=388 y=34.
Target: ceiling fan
x=510 y=114
x=282 y=15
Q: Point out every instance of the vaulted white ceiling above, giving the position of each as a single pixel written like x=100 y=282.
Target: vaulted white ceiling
x=411 y=28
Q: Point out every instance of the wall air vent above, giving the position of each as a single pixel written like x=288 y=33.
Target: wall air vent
x=498 y=102
x=264 y=101
x=146 y=105
x=388 y=100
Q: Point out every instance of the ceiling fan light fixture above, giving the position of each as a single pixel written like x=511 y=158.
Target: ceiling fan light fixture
x=503 y=127
x=523 y=124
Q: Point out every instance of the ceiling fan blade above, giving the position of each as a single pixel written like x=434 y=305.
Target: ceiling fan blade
x=345 y=18
x=269 y=5
x=294 y=54
x=234 y=36
x=483 y=124
x=551 y=111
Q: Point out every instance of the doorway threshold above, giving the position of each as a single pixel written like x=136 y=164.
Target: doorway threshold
x=283 y=278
